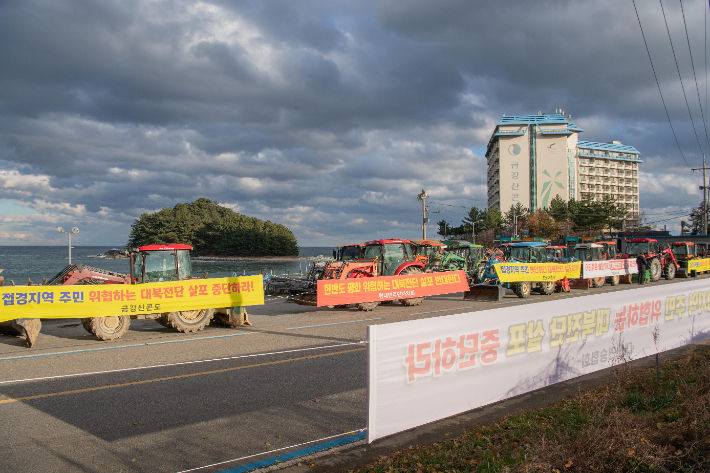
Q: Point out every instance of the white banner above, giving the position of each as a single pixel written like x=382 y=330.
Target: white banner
x=612 y=267
x=423 y=370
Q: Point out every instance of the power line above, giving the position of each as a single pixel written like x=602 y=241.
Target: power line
x=692 y=122
x=658 y=84
x=692 y=63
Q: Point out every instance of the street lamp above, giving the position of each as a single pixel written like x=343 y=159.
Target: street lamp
x=473 y=229
x=69 y=233
x=423 y=197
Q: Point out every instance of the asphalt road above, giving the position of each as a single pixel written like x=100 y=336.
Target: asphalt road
x=161 y=401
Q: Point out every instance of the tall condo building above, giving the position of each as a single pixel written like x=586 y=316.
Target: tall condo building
x=533 y=158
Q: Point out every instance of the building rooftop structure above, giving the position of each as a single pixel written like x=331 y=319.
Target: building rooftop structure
x=534 y=158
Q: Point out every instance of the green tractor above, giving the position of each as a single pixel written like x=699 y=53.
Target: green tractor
x=459 y=256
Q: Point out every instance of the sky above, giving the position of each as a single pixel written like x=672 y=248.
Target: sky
x=326 y=116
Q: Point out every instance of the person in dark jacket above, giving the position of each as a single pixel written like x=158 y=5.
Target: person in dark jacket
x=642 y=265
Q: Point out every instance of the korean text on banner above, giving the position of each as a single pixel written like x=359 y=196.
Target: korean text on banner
x=115 y=299
x=699 y=264
x=607 y=268
x=516 y=272
x=459 y=362
x=385 y=288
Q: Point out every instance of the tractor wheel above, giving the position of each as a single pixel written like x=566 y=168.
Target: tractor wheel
x=190 y=320
x=413 y=300
x=655 y=268
x=111 y=327
x=546 y=288
x=613 y=280
x=669 y=271
x=367 y=306
x=163 y=320
x=597 y=282
x=522 y=289
x=86 y=323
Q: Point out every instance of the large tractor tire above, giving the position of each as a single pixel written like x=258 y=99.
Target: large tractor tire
x=597 y=282
x=367 y=306
x=655 y=269
x=190 y=320
x=414 y=300
x=669 y=271
x=86 y=323
x=613 y=280
x=521 y=289
x=110 y=327
x=546 y=288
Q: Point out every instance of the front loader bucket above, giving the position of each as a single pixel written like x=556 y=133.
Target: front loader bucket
x=625 y=278
x=28 y=328
x=305 y=298
x=232 y=316
x=682 y=273
x=580 y=283
x=484 y=292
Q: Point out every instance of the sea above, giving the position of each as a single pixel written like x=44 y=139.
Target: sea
x=20 y=263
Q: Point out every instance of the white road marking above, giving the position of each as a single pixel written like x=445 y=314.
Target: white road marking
x=180 y=363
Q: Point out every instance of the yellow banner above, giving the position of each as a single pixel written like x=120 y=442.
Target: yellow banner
x=58 y=302
x=699 y=264
x=537 y=272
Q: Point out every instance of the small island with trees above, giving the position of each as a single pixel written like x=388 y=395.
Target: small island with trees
x=213 y=230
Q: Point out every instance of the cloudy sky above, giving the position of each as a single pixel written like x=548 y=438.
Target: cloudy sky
x=326 y=116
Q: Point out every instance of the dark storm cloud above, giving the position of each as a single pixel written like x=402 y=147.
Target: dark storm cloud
x=327 y=116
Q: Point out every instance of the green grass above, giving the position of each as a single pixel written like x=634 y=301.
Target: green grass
x=628 y=425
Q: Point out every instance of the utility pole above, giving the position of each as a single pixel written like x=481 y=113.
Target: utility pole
x=423 y=198
x=704 y=188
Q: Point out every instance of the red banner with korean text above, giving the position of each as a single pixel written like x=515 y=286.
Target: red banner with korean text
x=387 y=288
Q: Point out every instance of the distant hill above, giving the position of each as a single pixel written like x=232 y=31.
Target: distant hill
x=213 y=230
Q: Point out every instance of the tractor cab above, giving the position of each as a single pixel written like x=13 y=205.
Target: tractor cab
x=609 y=249
x=393 y=256
x=528 y=252
x=159 y=263
x=470 y=251
x=588 y=252
x=425 y=249
x=556 y=253
x=349 y=252
x=641 y=246
x=428 y=248
x=684 y=250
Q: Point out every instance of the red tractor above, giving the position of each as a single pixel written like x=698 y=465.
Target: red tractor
x=150 y=263
x=390 y=257
x=684 y=251
x=609 y=248
x=348 y=252
x=661 y=262
x=424 y=249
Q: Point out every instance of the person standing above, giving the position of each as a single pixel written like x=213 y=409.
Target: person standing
x=642 y=265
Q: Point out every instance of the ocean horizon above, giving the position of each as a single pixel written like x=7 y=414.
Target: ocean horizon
x=36 y=262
